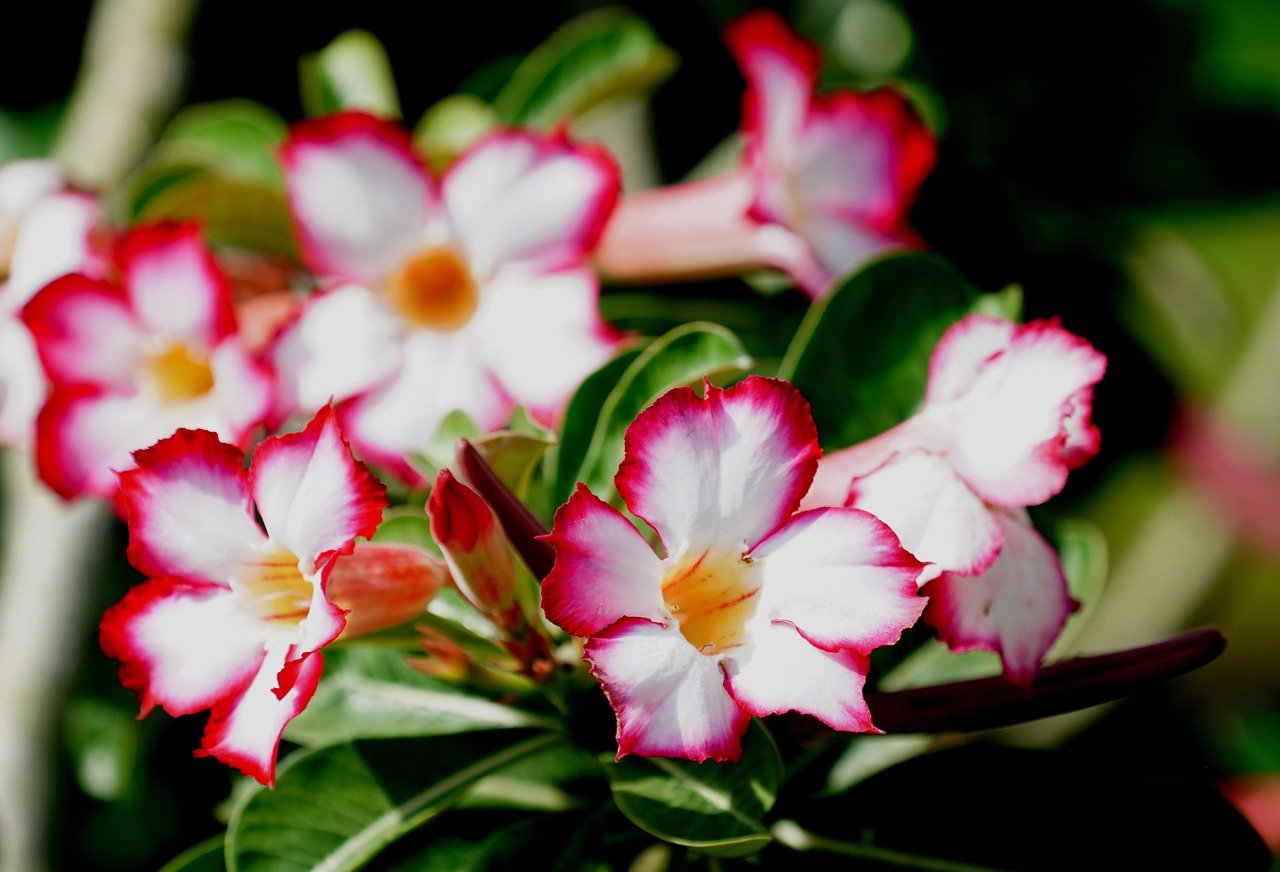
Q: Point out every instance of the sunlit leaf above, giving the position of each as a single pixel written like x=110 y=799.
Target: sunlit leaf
x=352 y=72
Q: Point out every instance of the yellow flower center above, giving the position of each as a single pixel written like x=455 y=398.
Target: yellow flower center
x=435 y=289
x=712 y=597
x=275 y=588
x=179 y=373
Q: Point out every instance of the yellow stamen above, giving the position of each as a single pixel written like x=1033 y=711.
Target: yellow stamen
x=275 y=588
x=435 y=289
x=180 y=373
x=713 y=598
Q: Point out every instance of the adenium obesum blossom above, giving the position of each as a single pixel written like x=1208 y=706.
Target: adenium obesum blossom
x=753 y=609
x=233 y=613
x=46 y=231
x=1006 y=416
x=825 y=182
x=470 y=292
x=133 y=358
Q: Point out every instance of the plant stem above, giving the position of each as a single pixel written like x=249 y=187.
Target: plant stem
x=797 y=838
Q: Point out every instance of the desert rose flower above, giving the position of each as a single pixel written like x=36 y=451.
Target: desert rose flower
x=46 y=231
x=1006 y=417
x=472 y=292
x=825 y=182
x=753 y=609
x=233 y=613
x=134 y=359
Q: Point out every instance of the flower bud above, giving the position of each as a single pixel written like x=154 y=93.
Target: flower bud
x=384 y=585
x=475 y=548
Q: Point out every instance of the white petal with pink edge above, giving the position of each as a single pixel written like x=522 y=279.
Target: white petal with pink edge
x=243 y=389
x=175 y=288
x=840 y=576
x=314 y=498
x=85 y=332
x=361 y=200
x=670 y=700
x=935 y=514
x=542 y=334
x=781 y=70
x=345 y=341
x=780 y=671
x=188 y=508
x=22 y=384
x=324 y=623
x=244 y=731
x=53 y=241
x=182 y=646
x=22 y=184
x=521 y=198
x=722 y=472
x=604 y=569
x=1011 y=425
x=962 y=353
x=1016 y=608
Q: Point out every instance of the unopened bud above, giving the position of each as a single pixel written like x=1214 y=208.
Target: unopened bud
x=384 y=585
x=475 y=547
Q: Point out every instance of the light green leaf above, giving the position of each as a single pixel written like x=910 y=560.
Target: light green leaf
x=1083 y=549
x=208 y=856
x=861 y=356
x=247 y=215
x=713 y=807
x=683 y=356
x=600 y=55
x=513 y=456
x=238 y=138
x=452 y=126
x=352 y=72
x=369 y=692
x=1006 y=304
x=406 y=525
x=335 y=808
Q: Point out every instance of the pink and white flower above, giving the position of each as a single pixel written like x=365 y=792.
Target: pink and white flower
x=233 y=613
x=46 y=231
x=133 y=360
x=472 y=292
x=825 y=183
x=1006 y=417
x=754 y=609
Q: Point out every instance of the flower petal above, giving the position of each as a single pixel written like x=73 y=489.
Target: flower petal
x=175 y=287
x=85 y=332
x=523 y=198
x=360 y=197
x=243 y=389
x=188 y=508
x=670 y=700
x=781 y=70
x=22 y=384
x=604 y=569
x=782 y=672
x=314 y=497
x=935 y=514
x=1012 y=425
x=244 y=731
x=962 y=353
x=345 y=341
x=181 y=645
x=543 y=334
x=721 y=472
x=52 y=241
x=1016 y=608
x=85 y=434
x=841 y=578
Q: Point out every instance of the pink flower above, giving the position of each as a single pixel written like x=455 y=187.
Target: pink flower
x=1006 y=417
x=132 y=360
x=476 y=550
x=233 y=613
x=825 y=184
x=754 y=609
x=46 y=231
x=472 y=292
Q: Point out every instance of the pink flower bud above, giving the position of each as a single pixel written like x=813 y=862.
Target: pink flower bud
x=381 y=586
x=475 y=549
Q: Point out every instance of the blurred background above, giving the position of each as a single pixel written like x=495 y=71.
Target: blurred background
x=1117 y=159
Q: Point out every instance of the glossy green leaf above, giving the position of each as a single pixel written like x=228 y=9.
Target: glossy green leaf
x=862 y=355
x=684 y=356
x=714 y=807
x=237 y=138
x=407 y=525
x=335 y=808
x=369 y=692
x=600 y=55
x=208 y=856
x=352 y=72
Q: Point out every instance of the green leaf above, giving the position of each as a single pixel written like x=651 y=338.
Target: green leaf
x=237 y=138
x=683 y=356
x=29 y=134
x=352 y=72
x=369 y=692
x=861 y=356
x=241 y=214
x=1005 y=303
x=713 y=807
x=452 y=126
x=600 y=55
x=1083 y=549
x=513 y=456
x=335 y=808
x=579 y=423
x=208 y=856
x=406 y=525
